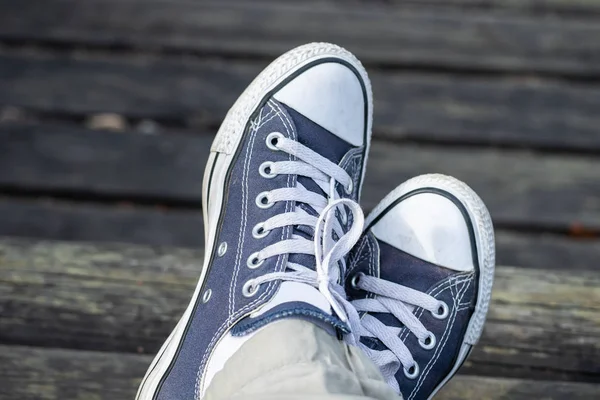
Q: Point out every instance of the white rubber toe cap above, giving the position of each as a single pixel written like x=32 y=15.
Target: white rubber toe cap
x=431 y=227
x=331 y=95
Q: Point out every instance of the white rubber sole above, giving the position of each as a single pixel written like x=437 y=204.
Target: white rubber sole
x=484 y=239
x=223 y=151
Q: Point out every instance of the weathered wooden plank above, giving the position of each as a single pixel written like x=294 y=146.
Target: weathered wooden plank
x=414 y=106
x=546 y=251
x=61 y=220
x=66 y=220
x=465 y=387
x=525 y=304
x=580 y=8
x=171 y=89
x=522 y=189
x=114 y=297
x=524 y=112
x=93 y=294
x=557 y=8
x=63 y=159
x=44 y=374
x=31 y=373
x=436 y=38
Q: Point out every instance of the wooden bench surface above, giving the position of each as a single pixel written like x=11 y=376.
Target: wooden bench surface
x=543 y=325
x=108 y=109
x=33 y=374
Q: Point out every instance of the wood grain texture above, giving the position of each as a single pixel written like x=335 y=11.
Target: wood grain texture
x=423 y=36
x=521 y=188
x=69 y=220
x=556 y=8
x=64 y=220
x=31 y=373
x=63 y=159
x=465 y=387
x=547 y=251
x=44 y=374
x=444 y=108
x=542 y=324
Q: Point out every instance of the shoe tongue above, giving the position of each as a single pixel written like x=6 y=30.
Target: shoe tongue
x=329 y=146
x=317 y=138
x=294 y=299
x=402 y=268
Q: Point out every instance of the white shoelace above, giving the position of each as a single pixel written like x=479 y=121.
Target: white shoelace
x=390 y=298
x=328 y=251
x=400 y=301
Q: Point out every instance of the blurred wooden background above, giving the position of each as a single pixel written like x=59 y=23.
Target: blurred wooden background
x=108 y=109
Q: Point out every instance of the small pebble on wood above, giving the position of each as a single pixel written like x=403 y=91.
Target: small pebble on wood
x=111 y=122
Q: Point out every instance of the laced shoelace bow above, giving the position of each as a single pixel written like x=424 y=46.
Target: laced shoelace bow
x=331 y=242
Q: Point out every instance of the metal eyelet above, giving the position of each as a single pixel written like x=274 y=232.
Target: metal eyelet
x=266 y=170
x=272 y=139
x=259 y=231
x=412 y=372
x=263 y=200
x=254 y=261
x=354 y=281
x=443 y=311
x=206 y=296
x=249 y=290
x=222 y=249
x=349 y=188
x=429 y=342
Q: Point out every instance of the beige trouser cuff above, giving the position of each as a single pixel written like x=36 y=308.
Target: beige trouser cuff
x=295 y=359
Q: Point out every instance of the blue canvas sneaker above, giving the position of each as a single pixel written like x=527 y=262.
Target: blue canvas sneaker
x=421 y=279
x=280 y=196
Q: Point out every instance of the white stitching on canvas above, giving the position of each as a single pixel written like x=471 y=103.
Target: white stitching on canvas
x=244 y=218
x=437 y=290
x=272 y=113
x=290 y=130
x=456 y=298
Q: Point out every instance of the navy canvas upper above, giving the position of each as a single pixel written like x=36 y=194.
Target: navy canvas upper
x=335 y=149
x=227 y=274
x=457 y=289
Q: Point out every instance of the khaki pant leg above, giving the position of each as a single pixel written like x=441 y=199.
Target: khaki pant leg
x=295 y=359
